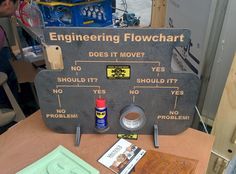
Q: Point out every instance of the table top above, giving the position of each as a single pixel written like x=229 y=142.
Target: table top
x=29 y=140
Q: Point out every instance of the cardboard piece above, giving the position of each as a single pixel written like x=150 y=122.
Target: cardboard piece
x=24 y=70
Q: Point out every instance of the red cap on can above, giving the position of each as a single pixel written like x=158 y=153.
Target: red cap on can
x=100 y=103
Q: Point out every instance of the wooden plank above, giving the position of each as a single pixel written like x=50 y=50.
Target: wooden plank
x=225 y=123
x=158 y=13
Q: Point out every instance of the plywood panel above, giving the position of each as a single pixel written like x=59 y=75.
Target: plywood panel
x=225 y=122
x=158 y=13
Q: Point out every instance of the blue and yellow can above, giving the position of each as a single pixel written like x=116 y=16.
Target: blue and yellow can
x=101 y=114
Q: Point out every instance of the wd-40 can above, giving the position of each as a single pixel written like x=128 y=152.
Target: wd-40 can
x=101 y=115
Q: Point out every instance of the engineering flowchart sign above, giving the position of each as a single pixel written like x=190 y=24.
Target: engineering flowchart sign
x=130 y=69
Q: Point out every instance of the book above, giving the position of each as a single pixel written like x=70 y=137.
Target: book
x=122 y=157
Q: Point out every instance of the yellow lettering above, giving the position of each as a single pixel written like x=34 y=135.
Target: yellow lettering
x=53 y=36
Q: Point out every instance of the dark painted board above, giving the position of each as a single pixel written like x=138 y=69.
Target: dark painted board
x=166 y=97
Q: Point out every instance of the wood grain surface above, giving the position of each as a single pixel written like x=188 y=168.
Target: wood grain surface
x=164 y=163
x=30 y=140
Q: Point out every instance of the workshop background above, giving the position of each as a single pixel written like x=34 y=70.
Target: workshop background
x=209 y=56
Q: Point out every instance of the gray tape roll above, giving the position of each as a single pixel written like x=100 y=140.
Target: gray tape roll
x=132 y=117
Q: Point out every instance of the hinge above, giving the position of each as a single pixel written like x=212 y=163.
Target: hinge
x=220 y=165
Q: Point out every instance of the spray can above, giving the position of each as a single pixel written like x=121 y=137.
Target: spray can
x=101 y=123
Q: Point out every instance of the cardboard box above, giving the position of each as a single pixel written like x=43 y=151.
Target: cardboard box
x=24 y=70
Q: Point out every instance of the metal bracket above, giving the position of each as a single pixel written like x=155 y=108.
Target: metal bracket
x=77 y=136
x=155 y=136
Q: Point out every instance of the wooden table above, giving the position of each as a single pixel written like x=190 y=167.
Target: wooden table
x=29 y=140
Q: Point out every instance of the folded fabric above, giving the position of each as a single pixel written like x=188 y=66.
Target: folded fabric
x=155 y=162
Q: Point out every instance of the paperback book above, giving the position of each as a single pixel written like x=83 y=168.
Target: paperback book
x=122 y=157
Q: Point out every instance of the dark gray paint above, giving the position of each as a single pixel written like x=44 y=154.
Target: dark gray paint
x=82 y=101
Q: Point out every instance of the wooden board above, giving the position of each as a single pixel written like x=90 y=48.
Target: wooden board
x=126 y=72
x=30 y=140
x=225 y=123
x=158 y=14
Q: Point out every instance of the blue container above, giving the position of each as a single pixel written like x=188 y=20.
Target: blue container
x=101 y=118
x=101 y=123
x=97 y=13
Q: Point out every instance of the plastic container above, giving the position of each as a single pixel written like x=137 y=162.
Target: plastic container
x=82 y=14
x=30 y=14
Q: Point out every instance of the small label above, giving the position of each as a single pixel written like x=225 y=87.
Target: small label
x=100 y=114
x=128 y=136
x=88 y=22
x=118 y=71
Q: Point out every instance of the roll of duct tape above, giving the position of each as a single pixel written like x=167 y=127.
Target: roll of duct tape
x=132 y=117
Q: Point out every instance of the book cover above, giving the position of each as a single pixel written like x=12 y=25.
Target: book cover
x=122 y=157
